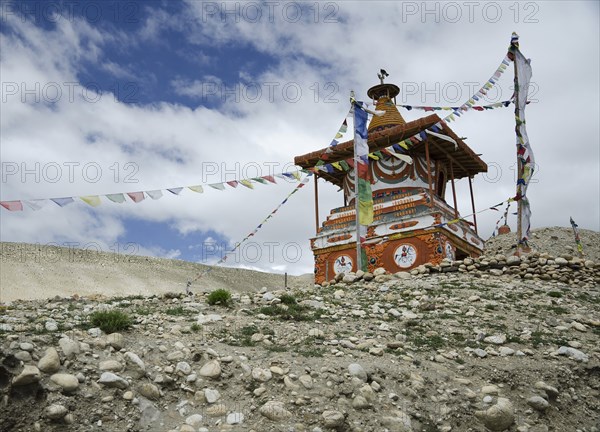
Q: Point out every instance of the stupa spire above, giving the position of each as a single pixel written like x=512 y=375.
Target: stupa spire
x=384 y=97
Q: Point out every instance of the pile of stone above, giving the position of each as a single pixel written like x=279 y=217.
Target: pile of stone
x=565 y=269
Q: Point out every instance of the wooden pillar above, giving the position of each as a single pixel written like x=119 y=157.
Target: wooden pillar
x=473 y=205
x=453 y=191
x=429 y=173
x=316 y=204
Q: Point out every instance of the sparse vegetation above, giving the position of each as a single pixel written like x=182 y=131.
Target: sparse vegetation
x=219 y=297
x=287 y=299
x=178 y=311
x=110 y=321
x=294 y=312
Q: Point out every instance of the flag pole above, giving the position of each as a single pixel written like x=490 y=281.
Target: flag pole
x=356 y=204
x=514 y=46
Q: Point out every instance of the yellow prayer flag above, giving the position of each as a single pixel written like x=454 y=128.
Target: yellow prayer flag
x=92 y=200
x=247 y=184
x=365 y=213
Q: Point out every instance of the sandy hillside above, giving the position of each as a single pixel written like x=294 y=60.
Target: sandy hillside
x=29 y=271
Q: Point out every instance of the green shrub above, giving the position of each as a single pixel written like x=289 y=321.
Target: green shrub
x=287 y=299
x=110 y=321
x=177 y=311
x=220 y=296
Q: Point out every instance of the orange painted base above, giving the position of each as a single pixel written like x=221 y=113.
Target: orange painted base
x=403 y=254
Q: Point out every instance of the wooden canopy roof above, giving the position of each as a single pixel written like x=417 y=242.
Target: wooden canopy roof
x=465 y=163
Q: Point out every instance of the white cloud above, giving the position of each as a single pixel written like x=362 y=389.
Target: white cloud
x=173 y=145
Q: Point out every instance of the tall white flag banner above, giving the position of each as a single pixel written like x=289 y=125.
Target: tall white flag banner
x=524 y=153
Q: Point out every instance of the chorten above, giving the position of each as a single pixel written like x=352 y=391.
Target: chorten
x=411 y=215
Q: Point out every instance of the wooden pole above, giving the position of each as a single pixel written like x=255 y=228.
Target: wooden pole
x=356 y=205
x=316 y=204
x=519 y=167
x=429 y=173
x=453 y=191
x=473 y=205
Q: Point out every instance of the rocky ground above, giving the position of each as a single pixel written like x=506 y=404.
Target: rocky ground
x=495 y=343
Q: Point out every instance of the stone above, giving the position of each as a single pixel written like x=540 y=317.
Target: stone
x=194 y=420
x=316 y=333
x=183 y=368
x=480 y=353
x=360 y=402
x=110 y=379
x=552 y=392
x=212 y=369
x=506 y=351
x=276 y=370
x=275 y=411
x=67 y=382
x=95 y=332
x=55 y=411
x=561 y=261
x=357 y=371
x=379 y=271
x=235 y=418
x=116 y=340
x=572 y=353
x=261 y=375
x=205 y=319
x=69 y=347
x=496 y=339
x=490 y=390
x=50 y=362
x=51 y=326
x=376 y=351
x=538 y=403
x=306 y=381
x=29 y=374
x=26 y=346
x=368 y=276
x=498 y=417
x=216 y=410
x=211 y=395
x=149 y=391
x=110 y=365
x=175 y=355
x=135 y=360
x=333 y=419
x=287 y=381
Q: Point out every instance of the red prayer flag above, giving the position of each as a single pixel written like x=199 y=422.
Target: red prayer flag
x=12 y=205
x=136 y=196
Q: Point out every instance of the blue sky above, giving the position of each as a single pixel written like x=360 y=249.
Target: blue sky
x=158 y=94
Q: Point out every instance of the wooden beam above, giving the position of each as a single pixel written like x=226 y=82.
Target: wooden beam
x=453 y=191
x=316 y=204
x=450 y=158
x=473 y=205
x=429 y=173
